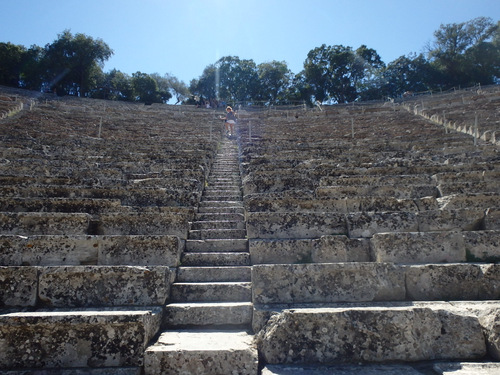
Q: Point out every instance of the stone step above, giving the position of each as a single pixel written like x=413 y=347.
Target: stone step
x=77 y=338
x=208 y=314
x=208 y=352
x=219 y=217
x=221 y=196
x=388 y=332
x=216 y=203
x=204 y=234
x=215 y=259
x=207 y=274
x=221 y=209
x=217 y=224
x=211 y=292
x=217 y=245
x=214 y=191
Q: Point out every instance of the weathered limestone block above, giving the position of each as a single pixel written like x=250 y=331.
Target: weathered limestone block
x=202 y=352
x=328 y=282
x=450 y=282
x=427 y=247
x=18 y=286
x=81 y=286
x=265 y=182
x=468 y=187
x=139 y=250
x=77 y=250
x=292 y=251
x=33 y=223
x=381 y=204
x=427 y=204
x=447 y=220
x=470 y=201
x=290 y=204
x=294 y=225
x=366 y=224
x=334 y=249
x=492 y=219
x=83 y=338
x=48 y=250
x=378 y=179
x=370 y=334
x=491 y=326
x=395 y=191
x=482 y=245
x=164 y=223
x=84 y=205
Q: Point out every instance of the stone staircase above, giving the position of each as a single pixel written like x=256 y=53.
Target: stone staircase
x=210 y=314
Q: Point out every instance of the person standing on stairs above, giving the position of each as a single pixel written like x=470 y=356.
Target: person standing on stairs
x=230 y=120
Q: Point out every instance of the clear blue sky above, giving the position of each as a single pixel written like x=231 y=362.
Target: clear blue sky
x=182 y=37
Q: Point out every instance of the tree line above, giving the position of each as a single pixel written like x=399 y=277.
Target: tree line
x=461 y=54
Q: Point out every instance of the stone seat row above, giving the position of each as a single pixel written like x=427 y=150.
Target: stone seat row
x=307 y=201
x=98 y=250
x=283 y=225
x=131 y=196
x=149 y=222
x=107 y=286
x=144 y=180
x=401 y=248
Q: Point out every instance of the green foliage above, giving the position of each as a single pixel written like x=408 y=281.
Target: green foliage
x=146 y=89
x=466 y=53
x=11 y=57
x=335 y=72
x=462 y=54
x=72 y=64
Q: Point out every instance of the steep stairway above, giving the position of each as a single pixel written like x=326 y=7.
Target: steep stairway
x=209 y=318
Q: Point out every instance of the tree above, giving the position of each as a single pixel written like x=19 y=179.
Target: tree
x=407 y=73
x=274 y=81
x=146 y=89
x=465 y=53
x=72 y=63
x=171 y=86
x=205 y=86
x=368 y=80
x=230 y=79
x=236 y=80
x=11 y=57
x=334 y=72
x=114 y=85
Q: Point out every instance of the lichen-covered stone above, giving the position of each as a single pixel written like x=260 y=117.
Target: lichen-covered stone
x=482 y=245
x=448 y=282
x=294 y=225
x=202 y=352
x=328 y=282
x=335 y=249
x=18 y=286
x=448 y=220
x=78 y=338
x=145 y=224
x=370 y=334
x=34 y=223
x=366 y=224
x=427 y=247
x=82 y=286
